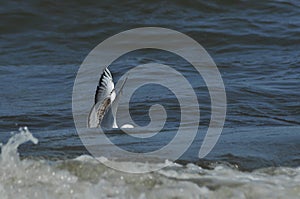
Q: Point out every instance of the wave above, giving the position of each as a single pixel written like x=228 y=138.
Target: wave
x=86 y=177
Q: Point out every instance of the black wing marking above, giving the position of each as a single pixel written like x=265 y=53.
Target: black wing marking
x=105 y=86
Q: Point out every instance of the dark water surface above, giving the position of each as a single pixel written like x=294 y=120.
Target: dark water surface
x=255 y=45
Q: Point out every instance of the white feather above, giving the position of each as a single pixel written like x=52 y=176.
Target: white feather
x=104 y=111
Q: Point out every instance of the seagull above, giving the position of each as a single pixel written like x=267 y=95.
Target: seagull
x=103 y=112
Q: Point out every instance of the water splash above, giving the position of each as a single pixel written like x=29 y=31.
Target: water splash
x=85 y=177
x=9 y=153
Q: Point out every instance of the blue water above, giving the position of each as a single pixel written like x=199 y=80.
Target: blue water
x=255 y=45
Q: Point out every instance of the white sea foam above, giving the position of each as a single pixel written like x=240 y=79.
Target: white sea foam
x=85 y=177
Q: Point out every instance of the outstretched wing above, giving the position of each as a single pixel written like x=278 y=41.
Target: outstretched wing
x=103 y=99
x=105 y=86
x=97 y=113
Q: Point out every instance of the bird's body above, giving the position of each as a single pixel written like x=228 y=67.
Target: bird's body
x=104 y=111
